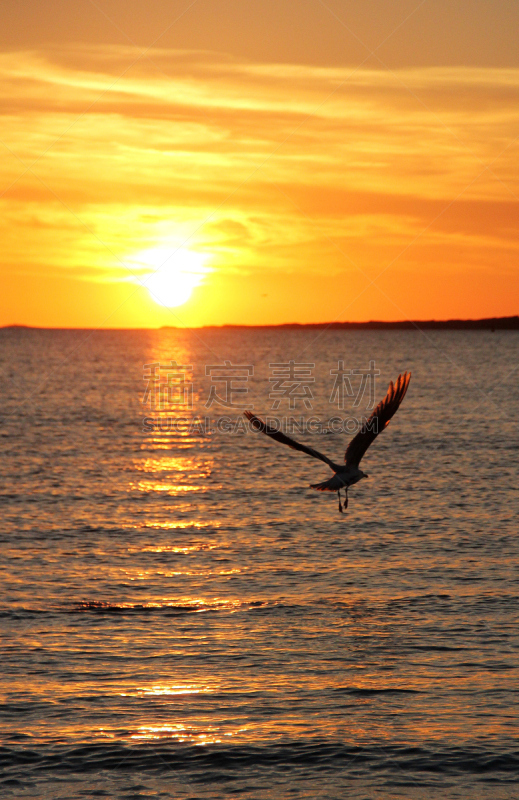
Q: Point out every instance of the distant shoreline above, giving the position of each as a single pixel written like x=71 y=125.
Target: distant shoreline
x=488 y=323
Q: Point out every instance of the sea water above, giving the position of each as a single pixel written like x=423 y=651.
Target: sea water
x=183 y=617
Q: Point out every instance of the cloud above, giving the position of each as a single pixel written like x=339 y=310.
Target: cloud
x=270 y=167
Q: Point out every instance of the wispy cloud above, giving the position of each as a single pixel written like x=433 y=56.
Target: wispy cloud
x=267 y=167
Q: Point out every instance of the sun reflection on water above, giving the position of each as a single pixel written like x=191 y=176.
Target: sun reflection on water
x=182 y=733
x=176 y=524
x=166 y=486
x=174 y=464
x=184 y=468
x=159 y=689
x=169 y=548
x=193 y=573
x=182 y=604
x=164 y=443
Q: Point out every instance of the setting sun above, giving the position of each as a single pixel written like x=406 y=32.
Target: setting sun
x=176 y=272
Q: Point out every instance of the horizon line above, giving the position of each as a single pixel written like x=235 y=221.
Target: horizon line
x=483 y=323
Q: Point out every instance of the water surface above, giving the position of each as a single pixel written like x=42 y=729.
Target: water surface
x=183 y=617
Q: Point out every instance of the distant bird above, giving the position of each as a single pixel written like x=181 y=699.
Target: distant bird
x=349 y=473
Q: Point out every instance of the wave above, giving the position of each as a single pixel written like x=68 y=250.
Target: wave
x=164 y=608
x=272 y=605
x=476 y=760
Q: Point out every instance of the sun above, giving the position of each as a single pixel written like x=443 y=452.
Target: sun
x=175 y=272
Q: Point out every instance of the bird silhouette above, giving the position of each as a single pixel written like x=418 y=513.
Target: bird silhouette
x=345 y=475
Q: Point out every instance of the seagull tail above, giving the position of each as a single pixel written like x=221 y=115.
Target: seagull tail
x=332 y=485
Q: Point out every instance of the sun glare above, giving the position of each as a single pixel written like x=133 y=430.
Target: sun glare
x=175 y=272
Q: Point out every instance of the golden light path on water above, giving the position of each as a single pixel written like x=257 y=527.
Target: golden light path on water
x=181 y=467
x=177 y=524
x=183 y=733
x=169 y=548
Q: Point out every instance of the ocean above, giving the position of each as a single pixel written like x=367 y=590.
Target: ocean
x=183 y=617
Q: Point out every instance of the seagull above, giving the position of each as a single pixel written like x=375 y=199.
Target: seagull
x=346 y=474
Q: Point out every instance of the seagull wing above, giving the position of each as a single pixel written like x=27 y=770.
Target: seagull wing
x=261 y=426
x=378 y=420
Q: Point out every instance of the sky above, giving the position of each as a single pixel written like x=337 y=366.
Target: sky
x=212 y=162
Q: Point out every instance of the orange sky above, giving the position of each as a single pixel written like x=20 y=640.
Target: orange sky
x=261 y=157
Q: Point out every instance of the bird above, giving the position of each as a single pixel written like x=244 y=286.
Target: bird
x=347 y=474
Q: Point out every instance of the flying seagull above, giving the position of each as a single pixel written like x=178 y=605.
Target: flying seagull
x=346 y=474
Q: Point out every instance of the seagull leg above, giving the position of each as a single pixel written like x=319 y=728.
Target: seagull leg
x=346 y=498
x=340 y=504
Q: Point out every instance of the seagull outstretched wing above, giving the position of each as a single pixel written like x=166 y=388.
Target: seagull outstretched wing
x=378 y=421
x=261 y=426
